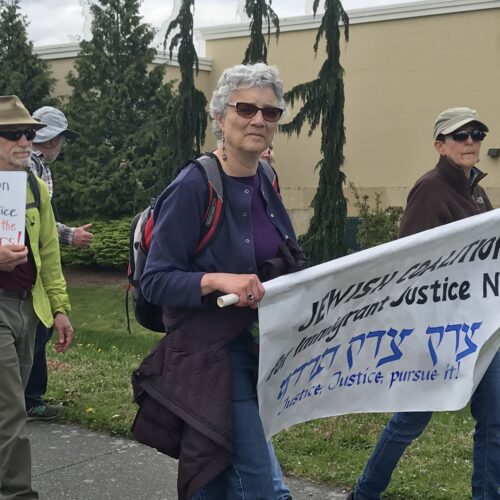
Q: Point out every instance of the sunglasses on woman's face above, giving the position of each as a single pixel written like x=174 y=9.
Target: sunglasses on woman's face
x=249 y=110
x=463 y=135
x=15 y=135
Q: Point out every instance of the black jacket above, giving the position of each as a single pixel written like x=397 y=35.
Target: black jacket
x=441 y=196
x=184 y=391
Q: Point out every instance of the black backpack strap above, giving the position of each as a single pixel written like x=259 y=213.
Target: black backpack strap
x=35 y=189
x=127 y=313
x=54 y=209
x=212 y=219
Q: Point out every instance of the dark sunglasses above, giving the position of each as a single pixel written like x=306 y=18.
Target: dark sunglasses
x=463 y=135
x=15 y=135
x=249 y=110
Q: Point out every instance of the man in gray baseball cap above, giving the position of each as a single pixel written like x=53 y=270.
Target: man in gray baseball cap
x=449 y=192
x=46 y=148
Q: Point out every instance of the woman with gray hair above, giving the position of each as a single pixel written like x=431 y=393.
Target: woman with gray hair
x=213 y=353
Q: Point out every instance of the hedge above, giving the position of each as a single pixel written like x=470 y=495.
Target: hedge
x=109 y=248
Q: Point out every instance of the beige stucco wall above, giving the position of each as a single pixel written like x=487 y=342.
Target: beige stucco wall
x=60 y=69
x=399 y=75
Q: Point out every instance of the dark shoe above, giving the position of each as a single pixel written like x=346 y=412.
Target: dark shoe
x=351 y=496
x=43 y=412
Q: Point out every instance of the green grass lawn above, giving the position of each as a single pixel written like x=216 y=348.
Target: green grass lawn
x=92 y=380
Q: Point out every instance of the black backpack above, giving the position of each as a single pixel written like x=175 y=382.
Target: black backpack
x=141 y=229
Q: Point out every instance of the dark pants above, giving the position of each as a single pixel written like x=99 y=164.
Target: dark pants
x=17 y=335
x=37 y=382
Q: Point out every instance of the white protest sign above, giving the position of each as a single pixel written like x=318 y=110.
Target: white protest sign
x=411 y=325
x=12 y=207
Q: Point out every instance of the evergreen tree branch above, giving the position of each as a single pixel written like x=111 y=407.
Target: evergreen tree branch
x=187 y=116
x=22 y=73
x=323 y=106
x=259 y=11
x=121 y=158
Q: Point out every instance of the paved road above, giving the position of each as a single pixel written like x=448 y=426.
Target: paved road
x=71 y=463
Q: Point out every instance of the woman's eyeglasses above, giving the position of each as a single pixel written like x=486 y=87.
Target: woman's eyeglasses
x=15 y=135
x=463 y=135
x=249 y=110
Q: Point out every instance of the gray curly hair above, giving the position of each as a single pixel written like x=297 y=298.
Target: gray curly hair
x=243 y=76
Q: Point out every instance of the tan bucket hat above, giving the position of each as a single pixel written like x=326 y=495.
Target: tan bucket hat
x=13 y=113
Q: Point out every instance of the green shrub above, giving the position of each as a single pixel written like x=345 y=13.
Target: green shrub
x=377 y=226
x=109 y=249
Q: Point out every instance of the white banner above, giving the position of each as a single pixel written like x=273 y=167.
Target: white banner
x=411 y=325
x=12 y=207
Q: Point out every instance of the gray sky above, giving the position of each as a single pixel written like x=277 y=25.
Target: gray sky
x=59 y=21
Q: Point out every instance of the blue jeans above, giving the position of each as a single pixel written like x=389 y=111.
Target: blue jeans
x=403 y=428
x=280 y=488
x=38 y=379
x=485 y=409
x=249 y=477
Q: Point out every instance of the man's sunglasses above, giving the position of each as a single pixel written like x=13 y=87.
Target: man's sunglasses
x=249 y=110
x=15 y=135
x=463 y=135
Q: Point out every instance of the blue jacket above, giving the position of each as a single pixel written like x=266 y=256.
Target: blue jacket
x=173 y=270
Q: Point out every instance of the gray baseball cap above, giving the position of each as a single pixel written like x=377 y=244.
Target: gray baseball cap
x=56 y=124
x=453 y=118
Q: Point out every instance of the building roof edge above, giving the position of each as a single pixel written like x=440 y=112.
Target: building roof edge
x=72 y=50
x=357 y=16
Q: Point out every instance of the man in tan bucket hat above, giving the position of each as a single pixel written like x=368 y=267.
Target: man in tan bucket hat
x=32 y=289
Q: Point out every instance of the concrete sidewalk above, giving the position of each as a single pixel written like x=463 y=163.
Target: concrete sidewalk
x=72 y=463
